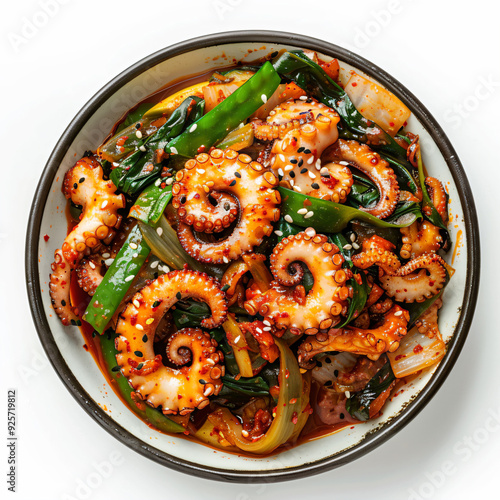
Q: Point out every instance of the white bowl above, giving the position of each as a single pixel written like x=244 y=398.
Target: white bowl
x=76 y=367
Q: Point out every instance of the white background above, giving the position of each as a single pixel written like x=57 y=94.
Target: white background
x=446 y=52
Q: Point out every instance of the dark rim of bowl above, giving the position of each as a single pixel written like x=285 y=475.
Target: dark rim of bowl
x=373 y=439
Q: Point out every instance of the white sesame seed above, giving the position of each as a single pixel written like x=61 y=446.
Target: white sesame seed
x=355 y=246
x=267 y=328
x=343 y=163
x=211 y=361
x=353 y=237
x=241 y=125
x=129 y=278
x=292 y=182
x=303 y=98
x=108 y=262
x=225 y=259
x=133 y=246
x=106 y=255
x=159 y=231
x=347 y=247
x=310 y=231
x=278 y=233
x=244 y=433
x=258 y=330
x=142 y=148
x=288 y=218
x=200 y=170
x=297 y=188
x=173 y=150
x=347 y=394
x=92 y=265
x=288 y=168
x=116 y=164
x=138 y=134
x=312 y=175
x=318 y=164
x=282 y=157
x=237 y=339
x=169 y=181
x=136 y=303
x=398 y=313
x=157 y=182
x=309 y=214
x=194 y=126
x=302 y=211
x=104 y=204
x=139 y=327
x=135 y=255
x=280 y=172
x=266 y=322
x=264 y=98
x=330 y=273
x=310 y=160
x=324 y=171
x=154 y=264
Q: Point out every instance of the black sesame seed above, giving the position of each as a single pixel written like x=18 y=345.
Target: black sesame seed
x=300 y=149
x=342 y=416
x=156 y=303
x=301 y=162
x=303 y=171
x=115 y=369
x=292 y=174
x=144 y=338
x=237 y=174
x=328 y=360
x=328 y=383
x=294 y=161
x=178 y=295
x=225 y=288
x=82 y=179
x=319 y=364
x=336 y=373
x=274 y=54
x=63 y=303
x=307 y=151
x=315 y=185
x=201 y=381
x=140 y=365
x=233 y=182
x=94 y=334
x=138 y=125
x=75 y=185
x=138 y=354
x=155 y=275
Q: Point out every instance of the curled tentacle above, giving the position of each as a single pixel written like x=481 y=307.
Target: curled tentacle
x=371 y=342
x=363 y=158
x=234 y=174
x=286 y=304
x=438 y=195
x=175 y=390
x=84 y=184
x=89 y=273
x=377 y=251
x=408 y=284
x=295 y=153
x=419 y=238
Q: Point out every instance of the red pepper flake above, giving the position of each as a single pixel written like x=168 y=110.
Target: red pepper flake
x=418 y=348
x=391 y=124
x=295 y=418
x=354 y=84
x=202 y=148
x=293 y=401
x=46 y=238
x=400 y=356
x=287 y=373
x=186 y=433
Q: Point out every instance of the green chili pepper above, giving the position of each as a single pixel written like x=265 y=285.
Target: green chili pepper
x=117 y=281
x=155 y=417
x=328 y=217
x=151 y=203
x=309 y=76
x=227 y=115
x=143 y=166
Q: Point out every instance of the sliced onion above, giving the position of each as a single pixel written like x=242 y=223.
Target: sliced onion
x=376 y=103
x=215 y=93
x=416 y=352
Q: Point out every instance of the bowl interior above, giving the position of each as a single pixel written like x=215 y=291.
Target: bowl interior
x=67 y=342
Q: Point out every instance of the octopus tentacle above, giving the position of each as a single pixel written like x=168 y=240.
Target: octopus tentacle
x=368 y=342
x=419 y=238
x=427 y=323
x=89 y=273
x=236 y=174
x=408 y=285
x=295 y=153
x=84 y=184
x=438 y=195
x=376 y=168
x=175 y=390
x=286 y=304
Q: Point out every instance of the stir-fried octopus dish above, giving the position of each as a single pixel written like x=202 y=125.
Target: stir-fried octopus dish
x=254 y=260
